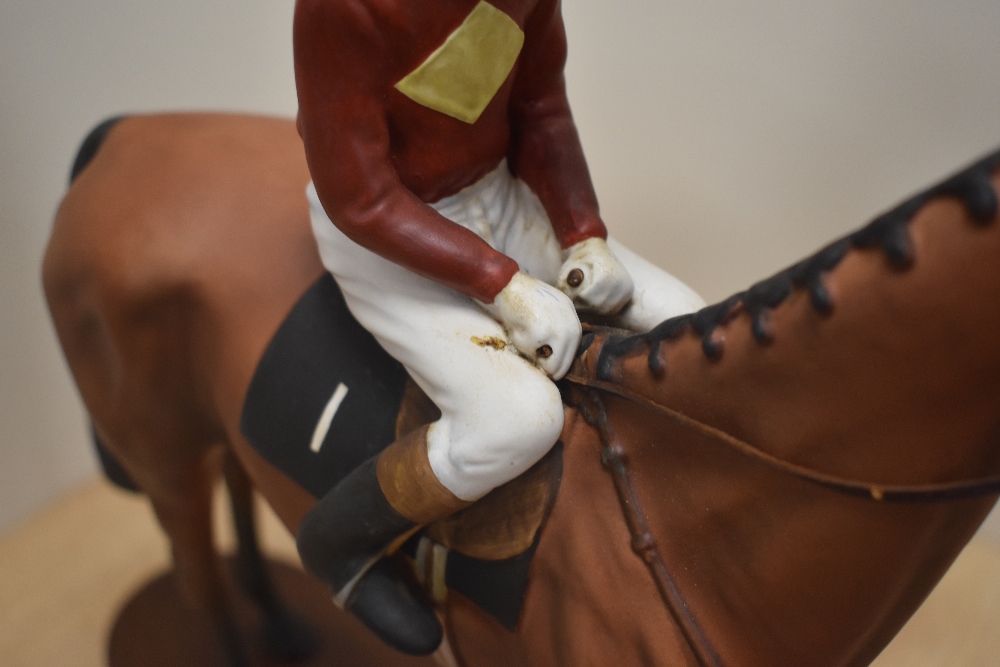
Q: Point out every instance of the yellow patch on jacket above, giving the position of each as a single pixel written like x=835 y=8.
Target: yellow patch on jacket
x=463 y=74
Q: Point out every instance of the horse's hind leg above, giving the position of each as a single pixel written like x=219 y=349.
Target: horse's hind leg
x=288 y=636
x=186 y=517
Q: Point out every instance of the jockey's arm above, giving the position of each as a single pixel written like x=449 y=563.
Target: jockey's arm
x=546 y=152
x=342 y=120
x=547 y=155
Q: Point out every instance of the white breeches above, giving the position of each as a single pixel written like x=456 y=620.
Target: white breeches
x=499 y=413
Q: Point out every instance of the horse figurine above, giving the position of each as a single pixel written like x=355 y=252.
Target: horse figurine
x=777 y=479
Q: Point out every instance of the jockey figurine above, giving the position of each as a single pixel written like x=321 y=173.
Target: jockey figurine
x=452 y=203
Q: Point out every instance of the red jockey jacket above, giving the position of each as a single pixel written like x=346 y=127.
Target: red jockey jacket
x=404 y=102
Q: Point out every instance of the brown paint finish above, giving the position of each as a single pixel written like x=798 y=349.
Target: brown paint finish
x=900 y=384
x=409 y=484
x=149 y=273
x=180 y=249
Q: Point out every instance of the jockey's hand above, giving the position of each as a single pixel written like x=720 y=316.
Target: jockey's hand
x=541 y=322
x=594 y=278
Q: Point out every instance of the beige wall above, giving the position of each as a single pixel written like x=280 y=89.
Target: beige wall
x=726 y=139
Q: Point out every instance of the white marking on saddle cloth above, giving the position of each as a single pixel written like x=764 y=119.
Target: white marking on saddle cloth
x=326 y=419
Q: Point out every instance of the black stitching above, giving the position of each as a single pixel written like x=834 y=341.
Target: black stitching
x=888 y=232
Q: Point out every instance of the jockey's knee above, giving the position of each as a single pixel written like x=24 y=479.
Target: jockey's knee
x=493 y=443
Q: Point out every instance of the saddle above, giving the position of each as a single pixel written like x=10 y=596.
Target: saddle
x=326 y=397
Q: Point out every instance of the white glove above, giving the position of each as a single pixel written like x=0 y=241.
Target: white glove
x=594 y=278
x=541 y=322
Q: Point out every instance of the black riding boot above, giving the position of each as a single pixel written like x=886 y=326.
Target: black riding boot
x=343 y=538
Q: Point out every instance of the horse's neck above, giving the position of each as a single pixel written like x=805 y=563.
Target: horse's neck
x=898 y=385
x=591 y=600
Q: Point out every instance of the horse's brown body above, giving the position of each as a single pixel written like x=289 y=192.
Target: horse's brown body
x=183 y=245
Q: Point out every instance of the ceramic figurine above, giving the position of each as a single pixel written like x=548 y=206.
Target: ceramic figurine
x=780 y=478
x=453 y=206
x=776 y=479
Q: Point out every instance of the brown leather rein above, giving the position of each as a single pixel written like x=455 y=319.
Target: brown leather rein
x=615 y=459
x=907 y=493
x=972 y=187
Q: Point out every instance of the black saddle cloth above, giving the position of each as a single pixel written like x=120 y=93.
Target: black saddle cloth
x=320 y=352
x=319 y=349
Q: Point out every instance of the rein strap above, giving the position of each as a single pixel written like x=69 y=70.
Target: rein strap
x=613 y=458
x=905 y=493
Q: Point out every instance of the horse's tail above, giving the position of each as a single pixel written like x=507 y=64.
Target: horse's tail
x=91 y=144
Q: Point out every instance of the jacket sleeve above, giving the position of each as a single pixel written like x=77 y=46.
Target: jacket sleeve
x=546 y=152
x=342 y=121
